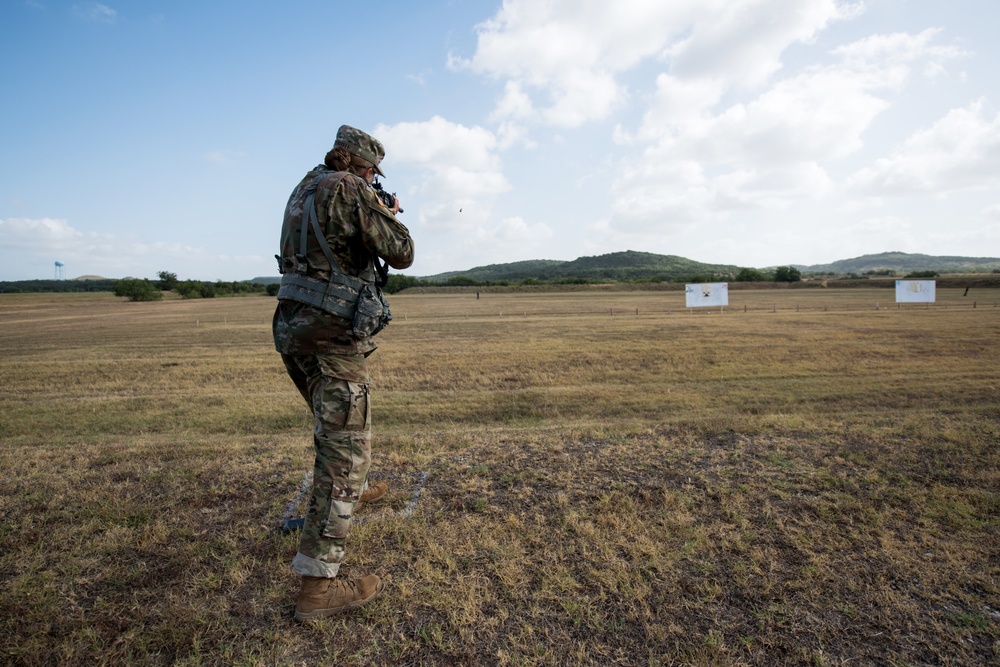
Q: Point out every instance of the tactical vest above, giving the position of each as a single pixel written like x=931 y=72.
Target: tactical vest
x=355 y=299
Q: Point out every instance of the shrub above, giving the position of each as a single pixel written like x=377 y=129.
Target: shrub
x=461 y=281
x=787 y=274
x=137 y=290
x=167 y=281
x=195 y=289
x=398 y=283
x=750 y=276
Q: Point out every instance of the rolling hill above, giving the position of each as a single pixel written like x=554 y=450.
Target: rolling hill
x=633 y=265
x=628 y=265
x=902 y=262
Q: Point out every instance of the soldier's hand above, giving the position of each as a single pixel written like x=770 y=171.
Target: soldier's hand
x=396 y=208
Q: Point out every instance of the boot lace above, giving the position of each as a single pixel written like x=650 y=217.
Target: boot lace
x=352 y=586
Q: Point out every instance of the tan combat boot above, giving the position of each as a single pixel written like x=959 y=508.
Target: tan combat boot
x=373 y=493
x=321 y=597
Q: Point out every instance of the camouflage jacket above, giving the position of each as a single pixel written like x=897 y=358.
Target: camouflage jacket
x=358 y=228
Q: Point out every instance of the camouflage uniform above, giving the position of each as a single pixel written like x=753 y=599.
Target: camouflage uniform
x=325 y=361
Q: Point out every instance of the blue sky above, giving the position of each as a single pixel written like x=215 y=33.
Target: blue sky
x=147 y=136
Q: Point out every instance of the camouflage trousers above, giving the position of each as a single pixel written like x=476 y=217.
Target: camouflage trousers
x=342 y=441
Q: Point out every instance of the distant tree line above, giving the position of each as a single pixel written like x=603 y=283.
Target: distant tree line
x=136 y=289
x=399 y=283
x=52 y=286
x=142 y=289
x=782 y=274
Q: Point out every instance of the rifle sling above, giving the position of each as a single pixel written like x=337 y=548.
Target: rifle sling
x=339 y=295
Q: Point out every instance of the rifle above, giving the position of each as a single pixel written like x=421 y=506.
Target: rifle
x=386 y=197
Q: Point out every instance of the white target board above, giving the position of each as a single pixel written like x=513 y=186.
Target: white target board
x=706 y=294
x=915 y=291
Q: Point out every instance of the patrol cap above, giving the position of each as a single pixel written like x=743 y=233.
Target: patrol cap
x=362 y=144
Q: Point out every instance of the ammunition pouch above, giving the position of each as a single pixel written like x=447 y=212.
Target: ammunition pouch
x=334 y=297
x=372 y=313
x=356 y=300
x=360 y=303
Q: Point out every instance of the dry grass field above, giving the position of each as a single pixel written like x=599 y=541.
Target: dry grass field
x=801 y=479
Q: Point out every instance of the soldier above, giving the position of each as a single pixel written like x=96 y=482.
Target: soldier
x=334 y=232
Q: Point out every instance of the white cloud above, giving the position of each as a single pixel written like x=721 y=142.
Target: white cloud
x=666 y=194
x=458 y=169
x=679 y=103
x=457 y=175
x=511 y=134
x=515 y=104
x=882 y=224
x=660 y=193
x=907 y=234
x=818 y=115
x=741 y=42
x=420 y=78
x=516 y=230
x=899 y=48
x=488 y=243
x=33 y=235
x=992 y=213
x=440 y=142
x=766 y=152
x=771 y=188
x=730 y=131
x=473 y=239
x=30 y=246
x=224 y=156
x=570 y=52
x=986 y=235
x=961 y=151
x=95 y=11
